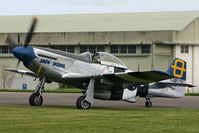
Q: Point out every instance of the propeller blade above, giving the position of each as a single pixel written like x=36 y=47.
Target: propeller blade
x=9 y=40
x=17 y=64
x=30 y=33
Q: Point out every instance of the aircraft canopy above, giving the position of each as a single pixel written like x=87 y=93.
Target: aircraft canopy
x=108 y=59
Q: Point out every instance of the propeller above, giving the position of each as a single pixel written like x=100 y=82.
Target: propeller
x=28 y=38
x=30 y=33
x=17 y=64
x=12 y=43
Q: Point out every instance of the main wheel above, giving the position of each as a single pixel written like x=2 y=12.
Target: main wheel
x=35 y=100
x=148 y=104
x=82 y=104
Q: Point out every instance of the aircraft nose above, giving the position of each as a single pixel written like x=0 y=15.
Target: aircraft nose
x=24 y=54
x=20 y=52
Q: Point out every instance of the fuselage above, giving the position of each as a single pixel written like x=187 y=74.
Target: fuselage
x=57 y=65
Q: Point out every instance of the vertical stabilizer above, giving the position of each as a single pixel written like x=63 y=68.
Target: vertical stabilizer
x=178 y=69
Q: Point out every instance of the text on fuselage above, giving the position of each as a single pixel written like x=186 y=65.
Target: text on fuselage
x=57 y=64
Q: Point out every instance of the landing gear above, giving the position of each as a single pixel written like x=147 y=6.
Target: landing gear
x=85 y=101
x=148 y=103
x=81 y=103
x=36 y=98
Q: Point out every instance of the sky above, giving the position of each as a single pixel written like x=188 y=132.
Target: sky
x=38 y=7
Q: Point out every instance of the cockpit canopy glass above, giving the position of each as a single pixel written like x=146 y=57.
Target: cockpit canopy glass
x=108 y=59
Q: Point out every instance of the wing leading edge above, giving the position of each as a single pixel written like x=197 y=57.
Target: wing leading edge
x=23 y=72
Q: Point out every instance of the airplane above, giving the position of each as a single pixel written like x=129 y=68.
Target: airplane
x=100 y=76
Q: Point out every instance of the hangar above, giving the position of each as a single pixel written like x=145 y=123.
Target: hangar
x=144 y=41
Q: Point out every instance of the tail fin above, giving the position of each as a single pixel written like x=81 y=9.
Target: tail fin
x=178 y=68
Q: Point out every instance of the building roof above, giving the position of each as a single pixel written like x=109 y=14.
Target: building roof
x=151 y=21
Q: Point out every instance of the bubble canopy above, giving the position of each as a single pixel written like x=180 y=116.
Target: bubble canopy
x=108 y=59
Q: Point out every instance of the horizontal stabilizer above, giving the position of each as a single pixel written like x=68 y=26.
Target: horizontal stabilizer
x=169 y=84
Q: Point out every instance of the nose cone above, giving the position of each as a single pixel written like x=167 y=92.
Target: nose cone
x=24 y=54
x=20 y=52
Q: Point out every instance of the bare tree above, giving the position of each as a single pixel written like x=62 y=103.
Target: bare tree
x=4 y=75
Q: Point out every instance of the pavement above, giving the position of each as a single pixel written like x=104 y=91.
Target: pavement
x=69 y=99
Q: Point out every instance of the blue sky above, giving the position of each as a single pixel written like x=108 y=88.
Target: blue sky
x=36 y=7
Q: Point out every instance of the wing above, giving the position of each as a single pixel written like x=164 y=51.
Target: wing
x=23 y=72
x=137 y=78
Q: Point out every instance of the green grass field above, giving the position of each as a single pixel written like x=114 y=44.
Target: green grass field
x=49 y=119
x=192 y=94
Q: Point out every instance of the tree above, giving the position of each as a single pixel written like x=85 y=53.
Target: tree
x=4 y=75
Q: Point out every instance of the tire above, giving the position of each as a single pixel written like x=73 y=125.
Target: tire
x=82 y=104
x=148 y=104
x=34 y=101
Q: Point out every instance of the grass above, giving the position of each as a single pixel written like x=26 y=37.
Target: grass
x=60 y=90
x=23 y=119
x=192 y=94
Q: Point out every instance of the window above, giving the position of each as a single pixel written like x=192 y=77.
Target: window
x=123 y=49
x=114 y=49
x=184 y=49
x=100 y=48
x=83 y=49
x=5 y=50
x=146 y=49
x=64 y=48
x=54 y=47
x=92 y=49
x=71 y=49
x=131 y=49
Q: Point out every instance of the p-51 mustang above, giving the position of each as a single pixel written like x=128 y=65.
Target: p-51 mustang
x=101 y=75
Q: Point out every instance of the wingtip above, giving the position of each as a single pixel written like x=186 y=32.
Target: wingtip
x=8 y=69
